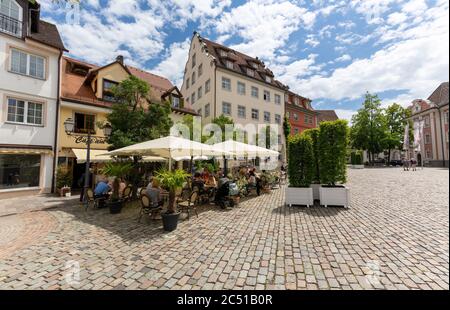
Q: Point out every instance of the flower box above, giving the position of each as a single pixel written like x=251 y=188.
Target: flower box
x=335 y=196
x=299 y=196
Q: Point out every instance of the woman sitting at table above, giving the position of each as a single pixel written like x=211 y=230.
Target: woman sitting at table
x=198 y=182
x=154 y=193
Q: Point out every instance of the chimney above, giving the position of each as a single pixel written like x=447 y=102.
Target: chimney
x=119 y=59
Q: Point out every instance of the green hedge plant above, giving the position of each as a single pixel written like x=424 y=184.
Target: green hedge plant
x=356 y=158
x=301 y=161
x=314 y=135
x=333 y=140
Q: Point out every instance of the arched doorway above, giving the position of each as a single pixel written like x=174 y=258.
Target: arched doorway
x=419 y=159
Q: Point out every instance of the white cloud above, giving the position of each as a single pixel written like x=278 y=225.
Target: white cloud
x=264 y=25
x=397 y=18
x=345 y=114
x=345 y=57
x=311 y=40
x=173 y=64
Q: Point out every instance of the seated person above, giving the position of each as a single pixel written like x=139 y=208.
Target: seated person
x=211 y=181
x=154 y=193
x=122 y=186
x=254 y=181
x=198 y=182
x=205 y=174
x=102 y=189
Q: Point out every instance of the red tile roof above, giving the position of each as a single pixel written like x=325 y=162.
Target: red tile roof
x=440 y=95
x=327 y=115
x=241 y=62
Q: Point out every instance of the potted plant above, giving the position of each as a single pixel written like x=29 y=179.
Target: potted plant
x=64 y=180
x=333 y=139
x=117 y=170
x=171 y=181
x=300 y=171
x=315 y=185
x=356 y=160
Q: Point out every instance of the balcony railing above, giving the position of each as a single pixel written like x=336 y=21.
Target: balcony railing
x=10 y=25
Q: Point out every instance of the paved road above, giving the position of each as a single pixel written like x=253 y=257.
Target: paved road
x=395 y=236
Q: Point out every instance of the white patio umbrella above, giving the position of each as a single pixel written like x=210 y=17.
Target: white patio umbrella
x=170 y=147
x=243 y=149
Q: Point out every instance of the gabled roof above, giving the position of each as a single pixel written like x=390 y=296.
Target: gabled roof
x=241 y=62
x=49 y=35
x=440 y=95
x=327 y=115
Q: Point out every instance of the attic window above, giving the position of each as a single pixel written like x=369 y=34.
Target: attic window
x=268 y=79
x=80 y=70
x=229 y=64
x=250 y=72
x=223 y=53
x=255 y=65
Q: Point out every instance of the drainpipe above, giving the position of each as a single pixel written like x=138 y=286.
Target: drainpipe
x=442 y=137
x=55 y=143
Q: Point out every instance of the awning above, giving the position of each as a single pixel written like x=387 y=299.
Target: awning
x=8 y=150
x=97 y=156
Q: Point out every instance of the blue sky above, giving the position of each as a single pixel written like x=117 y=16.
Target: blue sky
x=330 y=51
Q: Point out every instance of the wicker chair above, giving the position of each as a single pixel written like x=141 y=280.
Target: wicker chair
x=127 y=193
x=147 y=207
x=91 y=200
x=190 y=203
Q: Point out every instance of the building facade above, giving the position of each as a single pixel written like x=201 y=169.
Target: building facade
x=300 y=113
x=221 y=81
x=30 y=52
x=434 y=139
x=87 y=99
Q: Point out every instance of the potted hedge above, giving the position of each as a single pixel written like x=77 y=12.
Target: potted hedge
x=300 y=171
x=356 y=160
x=315 y=185
x=117 y=170
x=171 y=181
x=64 y=180
x=333 y=139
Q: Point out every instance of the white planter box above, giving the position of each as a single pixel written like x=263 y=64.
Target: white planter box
x=316 y=191
x=335 y=196
x=357 y=166
x=299 y=196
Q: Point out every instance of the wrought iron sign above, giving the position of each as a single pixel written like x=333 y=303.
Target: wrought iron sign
x=93 y=139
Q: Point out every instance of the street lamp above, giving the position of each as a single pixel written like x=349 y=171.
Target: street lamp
x=69 y=127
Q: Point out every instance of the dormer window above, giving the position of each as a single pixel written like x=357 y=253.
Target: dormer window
x=10 y=17
x=255 y=65
x=176 y=102
x=108 y=86
x=268 y=79
x=229 y=64
x=296 y=101
x=223 y=53
x=417 y=108
x=250 y=72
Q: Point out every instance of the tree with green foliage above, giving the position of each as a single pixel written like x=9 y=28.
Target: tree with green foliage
x=313 y=133
x=368 y=130
x=301 y=161
x=396 y=119
x=135 y=119
x=333 y=140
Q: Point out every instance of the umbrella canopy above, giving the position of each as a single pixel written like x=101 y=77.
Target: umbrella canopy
x=194 y=158
x=170 y=147
x=248 y=150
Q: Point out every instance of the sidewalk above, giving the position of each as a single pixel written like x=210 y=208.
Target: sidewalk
x=30 y=203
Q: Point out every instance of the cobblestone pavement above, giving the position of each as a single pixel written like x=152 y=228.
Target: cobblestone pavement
x=395 y=236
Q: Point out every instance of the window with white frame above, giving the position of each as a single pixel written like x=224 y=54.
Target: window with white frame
x=255 y=114
x=176 y=102
x=267 y=96
x=250 y=72
x=267 y=117
x=427 y=121
x=278 y=118
x=27 y=64
x=226 y=108
x=229 y=64
x=268 y=79
x=277 y=99
x=296 y=101
x=25 y=112
x=255 y=65
x=207 y=86
x=427 y=138
x=226 y=83
x=241 y=88
x=199 y=92
x=12 y=21
x=223 y=53
x=207 y=110
x=255 y=92
x=200 y=70
x=241 y=111
x=296 y=116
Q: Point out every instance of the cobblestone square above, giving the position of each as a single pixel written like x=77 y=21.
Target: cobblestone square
x=394 y=236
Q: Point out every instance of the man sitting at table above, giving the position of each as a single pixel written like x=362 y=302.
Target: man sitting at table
x=198 y=182
x=102 y=189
